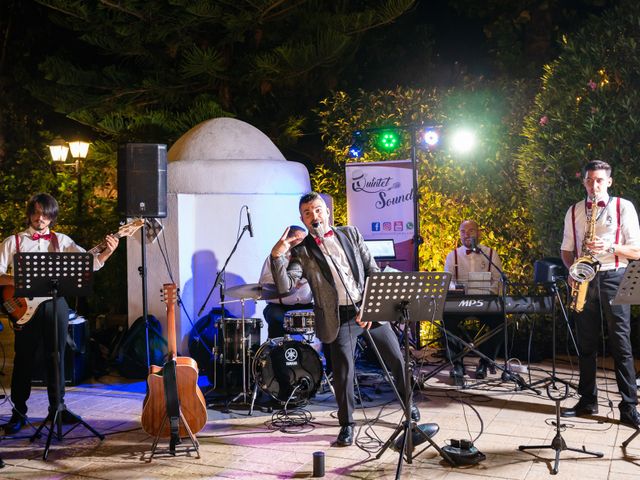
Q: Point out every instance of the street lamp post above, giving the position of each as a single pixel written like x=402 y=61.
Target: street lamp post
x=79 y=150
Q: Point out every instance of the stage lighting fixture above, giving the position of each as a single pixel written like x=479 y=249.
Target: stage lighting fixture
x=357 y=144
x=431 y=137
x=388 y=140
x=463 y=141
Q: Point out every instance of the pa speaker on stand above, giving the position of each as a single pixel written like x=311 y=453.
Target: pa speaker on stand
x=142 y=180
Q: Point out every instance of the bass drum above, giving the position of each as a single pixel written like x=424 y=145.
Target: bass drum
x=288 y=370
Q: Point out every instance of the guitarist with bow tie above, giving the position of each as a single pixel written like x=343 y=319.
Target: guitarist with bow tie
x=37 y=326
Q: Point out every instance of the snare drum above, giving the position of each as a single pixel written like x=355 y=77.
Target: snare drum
x=288 y=370
x=231 y=330
x=299 y=321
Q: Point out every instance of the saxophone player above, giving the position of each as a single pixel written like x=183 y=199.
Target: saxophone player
x=605 y=229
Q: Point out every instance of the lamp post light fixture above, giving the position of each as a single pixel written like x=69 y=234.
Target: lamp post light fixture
x=59 y=150
x=79 y=150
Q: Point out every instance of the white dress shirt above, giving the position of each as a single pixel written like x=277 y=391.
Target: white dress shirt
x=607 y=224
x=301 y=295
x=27 y=244
x=333 y=252
x=474 y=262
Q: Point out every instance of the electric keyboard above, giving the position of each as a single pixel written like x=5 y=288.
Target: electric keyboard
x=492 y=304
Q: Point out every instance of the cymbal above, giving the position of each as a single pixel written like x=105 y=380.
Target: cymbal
x=256 y=291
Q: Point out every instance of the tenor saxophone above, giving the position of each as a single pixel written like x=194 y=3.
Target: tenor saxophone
x=585 y=267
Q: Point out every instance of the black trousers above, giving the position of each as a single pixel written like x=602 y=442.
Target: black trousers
x=342 y=357
x=490 y=347
x=37 y=331
x=589 y=330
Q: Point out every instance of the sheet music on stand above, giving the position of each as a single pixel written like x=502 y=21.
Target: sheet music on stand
x=424 y=292
x=629 y=290
x=34 y=271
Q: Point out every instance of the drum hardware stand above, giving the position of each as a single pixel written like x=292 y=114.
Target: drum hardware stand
x=55 y=275
x=244 y=339
x=402 y=306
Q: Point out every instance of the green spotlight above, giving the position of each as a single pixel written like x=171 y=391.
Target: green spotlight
x=463 y=141
x=388 y=140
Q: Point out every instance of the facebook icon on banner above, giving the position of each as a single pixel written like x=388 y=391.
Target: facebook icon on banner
x=375 y=226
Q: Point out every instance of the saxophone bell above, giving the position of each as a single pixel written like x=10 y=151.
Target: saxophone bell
x=584 y=269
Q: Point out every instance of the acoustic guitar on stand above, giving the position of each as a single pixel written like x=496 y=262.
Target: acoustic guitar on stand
x=20 y=310
x=174 y=406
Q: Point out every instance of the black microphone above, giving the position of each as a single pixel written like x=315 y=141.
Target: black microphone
x=474 y=245
x=249 y=221
x=318 y=230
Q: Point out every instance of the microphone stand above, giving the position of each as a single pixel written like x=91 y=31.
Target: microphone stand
x=507 y=374
x=220 y=281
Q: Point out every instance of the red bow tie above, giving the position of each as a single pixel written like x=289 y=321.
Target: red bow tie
x=37 y=236
x=469 y=252
x=326 y=235
x=601 y=203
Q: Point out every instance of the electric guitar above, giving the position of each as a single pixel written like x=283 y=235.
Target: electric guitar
x=173 y=393
x=20 y=310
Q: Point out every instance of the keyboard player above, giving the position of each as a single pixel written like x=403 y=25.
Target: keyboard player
x=460 y=262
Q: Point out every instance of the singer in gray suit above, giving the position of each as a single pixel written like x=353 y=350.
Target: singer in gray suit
x=336 y=262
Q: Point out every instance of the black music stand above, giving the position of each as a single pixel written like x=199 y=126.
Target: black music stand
x=629 y=294
x=54 y=275
x=405 y=297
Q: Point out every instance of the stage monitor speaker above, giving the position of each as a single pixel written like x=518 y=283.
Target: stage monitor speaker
x=142 y=180
x=77 y=362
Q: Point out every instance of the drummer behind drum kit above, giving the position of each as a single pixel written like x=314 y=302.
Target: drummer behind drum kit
x=287 y=369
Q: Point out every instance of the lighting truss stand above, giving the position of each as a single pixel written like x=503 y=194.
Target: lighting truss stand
x=558 y=444
x=54 y=275
x=405 y=297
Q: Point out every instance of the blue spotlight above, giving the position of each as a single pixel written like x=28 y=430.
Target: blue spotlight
x=357 y=144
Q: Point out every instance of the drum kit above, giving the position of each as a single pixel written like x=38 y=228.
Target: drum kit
x=287 y=369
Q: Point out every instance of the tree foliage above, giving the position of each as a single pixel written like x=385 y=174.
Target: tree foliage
x=151 y=70
x=587 y=109
x=523 y=35
x=479 y=186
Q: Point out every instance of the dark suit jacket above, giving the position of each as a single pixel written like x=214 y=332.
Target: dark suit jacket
x=308 y=261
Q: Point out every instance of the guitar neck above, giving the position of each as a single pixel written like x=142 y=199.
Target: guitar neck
x=102 y=245
x=171 y=330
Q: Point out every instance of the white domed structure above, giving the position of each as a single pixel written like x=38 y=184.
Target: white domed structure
x=214 y=171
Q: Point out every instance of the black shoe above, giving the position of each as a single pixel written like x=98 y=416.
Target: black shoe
x=481 y=371
x=457 y=373
x=415 y=413
x=630 y=417
x=583 y=408
x=15 y=423
x=345 y=437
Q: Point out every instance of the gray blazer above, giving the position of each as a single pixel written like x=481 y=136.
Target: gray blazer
x=308 y=261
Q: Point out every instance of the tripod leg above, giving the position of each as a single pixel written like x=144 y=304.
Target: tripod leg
x=254 y=394
x=194 y=441
x=630 y=439
x=157 y=439
x=326 y=379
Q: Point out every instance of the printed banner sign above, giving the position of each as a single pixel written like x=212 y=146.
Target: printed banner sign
x=380 y=203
